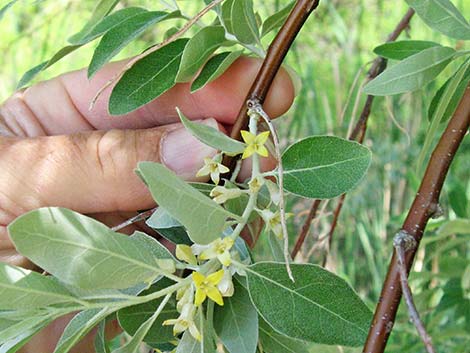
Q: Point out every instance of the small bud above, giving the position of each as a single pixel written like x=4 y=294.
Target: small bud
x=221 y=194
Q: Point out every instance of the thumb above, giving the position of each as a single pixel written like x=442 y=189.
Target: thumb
x=93 y=171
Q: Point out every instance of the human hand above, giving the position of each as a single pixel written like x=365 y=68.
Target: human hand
x=55 y=152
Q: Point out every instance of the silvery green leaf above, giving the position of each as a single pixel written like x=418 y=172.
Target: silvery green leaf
x=17 y=328
x=276 y=20
x=15 y=344
x=212 y=137
x=236 y=323
x=198 y=50
x=318 y=307
x=274 y=342
x=324 y=167
x=168 y=227
x=100 y=339
x=25 y=290
x=202 y=217
x=150 y=77
x=79 y=326
x=402 y=49
x=119 y=36
x=412 y=73
x=214 y=68
x=442 y=16
x=81 y=251
x=240 y=20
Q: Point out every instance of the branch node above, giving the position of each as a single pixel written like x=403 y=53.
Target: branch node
x=435 y=210
x=404 y=240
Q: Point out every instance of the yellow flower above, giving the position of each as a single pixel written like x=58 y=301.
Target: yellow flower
x=185 y=321
x=207 y=287
x=184 y=253
x=255 y=144
x=214 y=168
x=219 y=248
x=273 y=221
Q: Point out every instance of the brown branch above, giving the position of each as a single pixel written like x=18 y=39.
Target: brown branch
x=359 y=131
x=424 y=207
x=272 y=63
x=306 y=227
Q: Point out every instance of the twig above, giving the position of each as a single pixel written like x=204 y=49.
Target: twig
x=358 y=133
x=305 y=228
x=402 y=243
x=424 y=206
x=255 y=106
x=150 y=50
x=140 y=217
x=271 y=64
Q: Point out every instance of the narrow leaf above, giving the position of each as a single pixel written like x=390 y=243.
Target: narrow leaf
x=15 y=344
x=203 y=218
x=156 y=248
x=446 y=101
x=82 y=251
x=240 y=20
x=317 y=307
x=442 y=16
x=276 y=20
x=17 y=328
x=100 y=339
x=274 y=342
x=456 y=226
x=455 y=98
x=147 y=79
x=79 y=326
x=133 y=317
x=215 y=67
x=106 y=24
x=324 y=167
x=236 y=323
x=212 y=137
x=30 y=74
x=103 y=8
x=198 y=50
x=118 y=37
x=6 y=7
x=412 y=73
x=133 y=345
x=402 y=49
x=25 y=290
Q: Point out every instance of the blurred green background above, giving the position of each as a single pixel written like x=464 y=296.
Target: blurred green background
x=331 y=55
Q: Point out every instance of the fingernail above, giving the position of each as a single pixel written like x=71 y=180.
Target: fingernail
x=183 y=153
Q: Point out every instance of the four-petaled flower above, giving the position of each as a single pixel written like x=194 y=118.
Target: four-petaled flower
x=214 y=168
x=207 y=287
x=255 y=144
x=220 y=249
x=185 y=321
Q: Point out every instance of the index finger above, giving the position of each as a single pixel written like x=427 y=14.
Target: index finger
x=61 y=105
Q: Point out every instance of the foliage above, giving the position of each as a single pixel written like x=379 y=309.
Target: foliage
x=78 y=246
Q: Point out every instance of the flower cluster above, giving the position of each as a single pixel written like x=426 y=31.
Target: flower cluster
x=214 y=286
